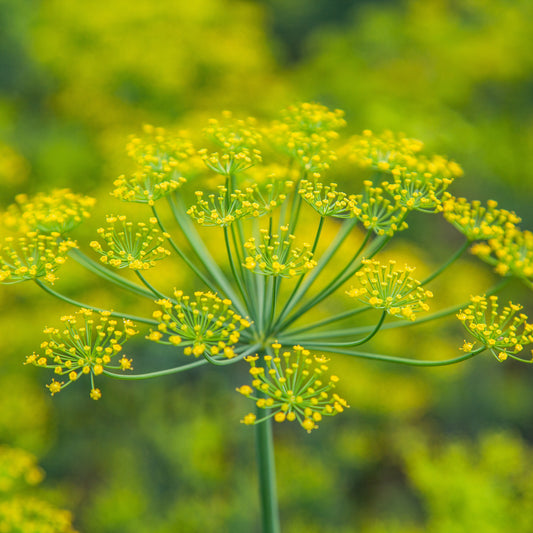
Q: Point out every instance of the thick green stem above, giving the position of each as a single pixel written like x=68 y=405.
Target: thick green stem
x=267 y=475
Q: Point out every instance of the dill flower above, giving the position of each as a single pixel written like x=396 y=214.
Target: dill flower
x=389 y=152
x=477 y=222
x=221 y=209
x=238 y=142
x=378 y=213
x=163 y=162
x=293 y=386
x=382 y=152
x=418 y=181
x=59 y=212
x=205 y=324
x=312 y=118
x=137 y=246
x=265 y=197
x=274 y=256
x=87 y=343
x=326 y=200
x=384 y=287
x=32 y=256
x=510 y=253
x=304 y=134
x=504 y=332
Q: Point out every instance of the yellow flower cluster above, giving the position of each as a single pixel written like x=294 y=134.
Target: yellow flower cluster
x=293 y=386
x=223 y=208
x=274 y=256
x=377 y=213
x=304 y=134
x=504 y=332
x=476 y=221
x=510 y=253
x=384 y=287
x=204 y=324
x=57 y=212
x=238 y=142
x=31 y=515
x=18 y=511
x=163 y=163
x=326 y=200
x=383 y=152
x=32 y=256
x=137 y=246
x=17 y=468
x=418 y=181
x=87 y=343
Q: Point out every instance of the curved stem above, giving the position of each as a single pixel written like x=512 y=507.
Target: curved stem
x=406 y=361
x=158 y=373
x=327 y=345
x=326 y=321
x=405 y=323
x=233 y=360
x=346 y=273
x=150 y=286
x=107 y=274
x=443 y=267
x=98 y=309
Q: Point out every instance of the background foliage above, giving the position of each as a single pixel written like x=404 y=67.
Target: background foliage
x=420 y=450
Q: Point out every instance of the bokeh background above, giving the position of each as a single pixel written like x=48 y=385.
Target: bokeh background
x=437 y=450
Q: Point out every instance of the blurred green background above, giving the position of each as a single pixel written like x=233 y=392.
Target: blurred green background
x=442 y=450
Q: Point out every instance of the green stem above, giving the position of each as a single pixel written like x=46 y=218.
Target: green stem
x=231 y=261
x=108 y=275
x=225 y=361
x=326 y=321
x=327 y=345
x=315 y=272
x=406 y=361
x=404 y=323
x=180 y=252
x=443 y=267
x=158 y=373
x=150 y=286
x=98 y=309
x=267 y=475
x=348 y=271
x=201 y=251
